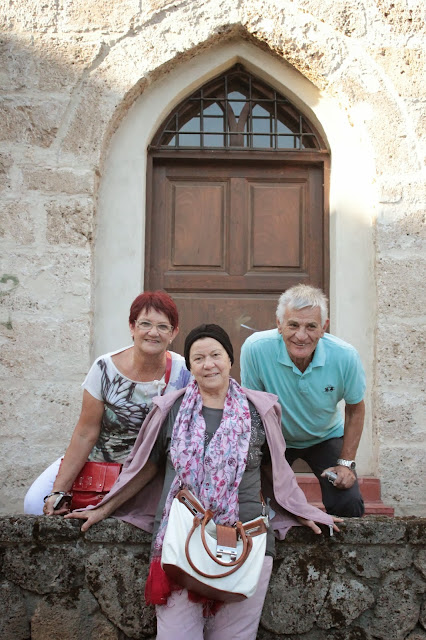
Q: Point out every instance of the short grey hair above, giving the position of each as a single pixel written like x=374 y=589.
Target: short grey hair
x=301 y=296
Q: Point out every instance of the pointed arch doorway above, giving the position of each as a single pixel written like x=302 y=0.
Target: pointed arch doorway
x=236 y=206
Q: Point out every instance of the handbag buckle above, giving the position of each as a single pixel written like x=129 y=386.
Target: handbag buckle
x=226 y=543
x=230 y=551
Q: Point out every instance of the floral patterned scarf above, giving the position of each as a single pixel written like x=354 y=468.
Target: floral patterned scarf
x=212 y=474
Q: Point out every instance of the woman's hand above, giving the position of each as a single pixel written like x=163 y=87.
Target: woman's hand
x=48 y=509
x=91 y=516
x=315 y=528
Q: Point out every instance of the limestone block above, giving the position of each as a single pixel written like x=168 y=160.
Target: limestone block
x=122 y=532
x=121 y=597
x=92 y=15
x=345 y=601
x=56 y=282
x=16 y=223
x=31 y=15
x=407 y=233
x=422 y=618
x=402 y=416
x=14 y=625
x=297 y=591
x=46 y=404
x=397 y=609
x=373 y=562
x=348 y=17
x=58 y=350
x=403 y=17
x=400 y=347
x=33 y=122
x=311 y=48
x=71 y=618
x=420 y=562
x=408 y=487
x=6 y=163
x=51 y=180
x=16 y=529
x=47 y=63
x=406 y=68
x=372 y=530
x=70 y=223
x=417 y=634
x=45 y=569
x=88 y=129
x=396 y=297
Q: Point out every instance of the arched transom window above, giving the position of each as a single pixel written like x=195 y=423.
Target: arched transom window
x=237 y=111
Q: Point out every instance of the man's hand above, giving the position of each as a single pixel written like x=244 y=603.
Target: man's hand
x=315 y=528
x=91 y=516
x=345 y=476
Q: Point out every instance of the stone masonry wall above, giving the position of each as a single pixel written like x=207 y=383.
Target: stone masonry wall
x=69 y=72
x=367 y=582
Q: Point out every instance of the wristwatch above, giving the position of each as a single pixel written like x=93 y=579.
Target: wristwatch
x=347 y=463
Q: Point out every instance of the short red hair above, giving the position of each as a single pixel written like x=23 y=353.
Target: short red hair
x=160 y=301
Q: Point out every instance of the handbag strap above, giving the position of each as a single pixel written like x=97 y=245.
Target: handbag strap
x=168 y=370
x=247 y=547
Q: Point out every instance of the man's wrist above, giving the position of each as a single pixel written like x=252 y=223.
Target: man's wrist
x=343 y=462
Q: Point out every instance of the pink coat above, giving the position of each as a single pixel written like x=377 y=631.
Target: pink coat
x=286 y=496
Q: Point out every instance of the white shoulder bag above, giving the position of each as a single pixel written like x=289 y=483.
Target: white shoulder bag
x=215 y=561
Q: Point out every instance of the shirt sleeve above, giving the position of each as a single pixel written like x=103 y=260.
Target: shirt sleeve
x=159 y=450
x=93 y=380
x=249 y=371
x=354 y=380
x=161 y=447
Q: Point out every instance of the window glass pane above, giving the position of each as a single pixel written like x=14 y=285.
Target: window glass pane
x=214 y=125
x=212 y=110
x=213 y=140
x=262 y=125
x=262 y=142
x=172 y=142
x=192 y=125
x=282 y=128
x=286 y=142
x=189 y=140
x=260 y=111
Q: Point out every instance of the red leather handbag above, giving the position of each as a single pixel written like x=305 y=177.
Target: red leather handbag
x=93 y=482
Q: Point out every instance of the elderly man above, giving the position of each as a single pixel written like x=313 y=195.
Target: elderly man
x=311 y=371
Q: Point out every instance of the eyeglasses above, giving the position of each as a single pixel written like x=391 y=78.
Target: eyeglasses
x=162 y=327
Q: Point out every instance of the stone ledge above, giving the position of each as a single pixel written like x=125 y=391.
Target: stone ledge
x=366 y=582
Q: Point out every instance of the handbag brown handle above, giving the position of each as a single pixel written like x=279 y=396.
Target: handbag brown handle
x=247 y=547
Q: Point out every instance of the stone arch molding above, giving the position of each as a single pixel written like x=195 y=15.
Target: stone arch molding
x=148 y=76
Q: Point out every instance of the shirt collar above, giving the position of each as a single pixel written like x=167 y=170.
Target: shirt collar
x=317 y=361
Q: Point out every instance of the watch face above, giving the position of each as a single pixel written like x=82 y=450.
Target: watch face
x=352 y=466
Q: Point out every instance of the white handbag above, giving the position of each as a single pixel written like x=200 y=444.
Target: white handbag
x=214 y=561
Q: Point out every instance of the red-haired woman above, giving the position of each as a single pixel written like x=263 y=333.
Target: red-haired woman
x=117 y=396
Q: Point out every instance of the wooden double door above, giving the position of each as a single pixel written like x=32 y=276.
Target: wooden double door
x=226 y=236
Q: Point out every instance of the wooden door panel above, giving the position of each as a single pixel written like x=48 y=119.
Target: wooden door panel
x=195 y=207
x=276 y=212
x=225 y=238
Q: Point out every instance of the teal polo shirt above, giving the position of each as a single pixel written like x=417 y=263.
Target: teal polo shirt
x=308 y=400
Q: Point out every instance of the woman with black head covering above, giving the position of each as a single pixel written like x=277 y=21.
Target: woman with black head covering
x=223 y=443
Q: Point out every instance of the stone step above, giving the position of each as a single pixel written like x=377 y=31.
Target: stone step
x=370 y=490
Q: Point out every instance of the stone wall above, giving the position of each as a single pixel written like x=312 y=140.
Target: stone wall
x=367 y=582
x=70 y=71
